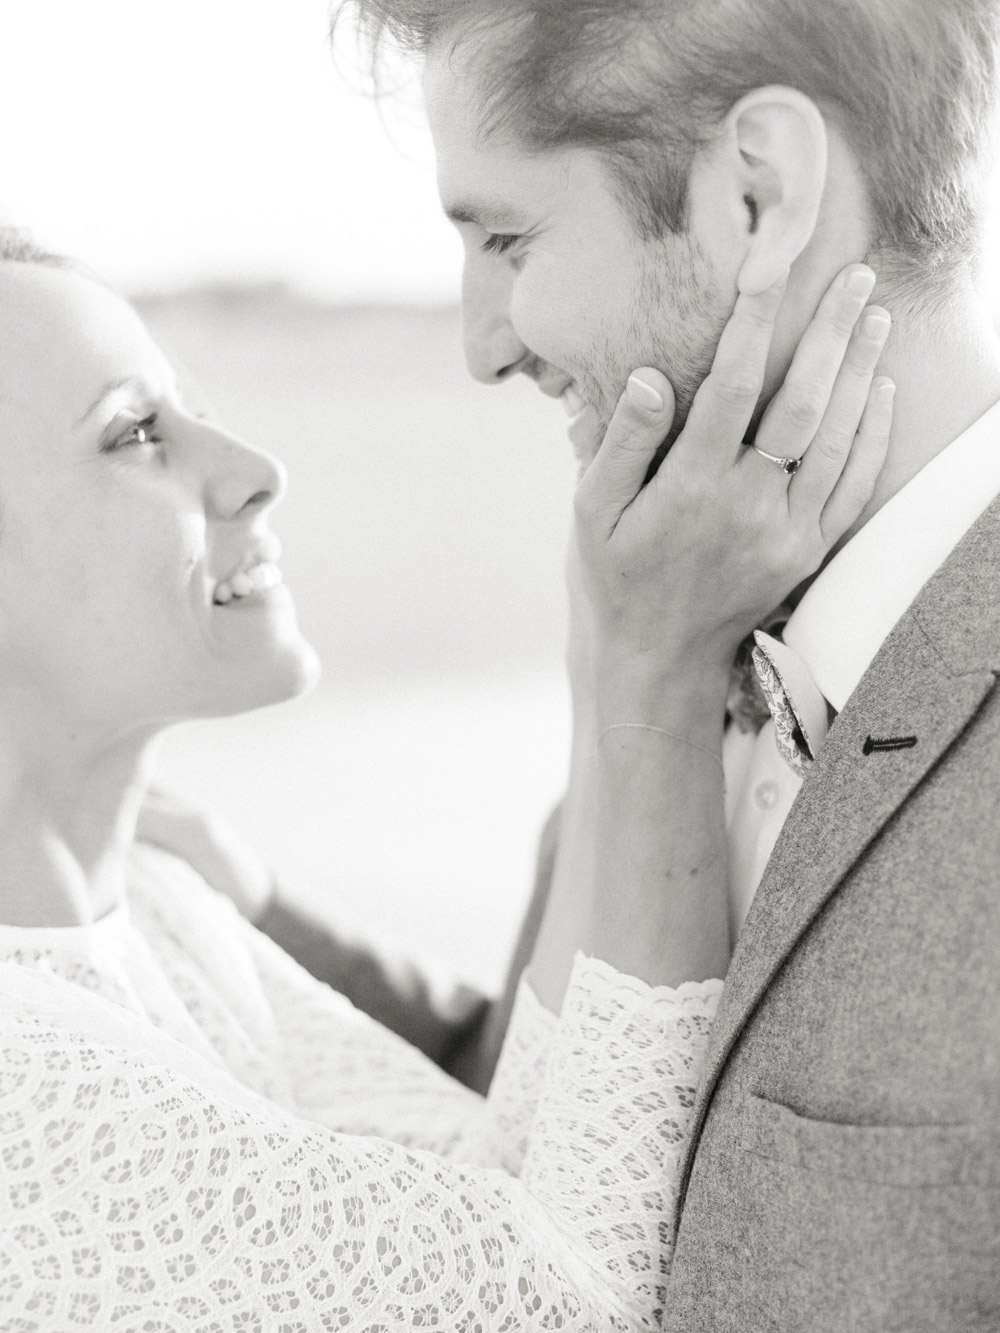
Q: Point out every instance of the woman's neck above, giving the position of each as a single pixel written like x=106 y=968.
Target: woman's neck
x=67 y=819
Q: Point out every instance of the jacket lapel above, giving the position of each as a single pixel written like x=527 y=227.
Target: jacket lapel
x=927 y=682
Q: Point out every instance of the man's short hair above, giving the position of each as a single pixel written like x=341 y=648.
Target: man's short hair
x=645 y=82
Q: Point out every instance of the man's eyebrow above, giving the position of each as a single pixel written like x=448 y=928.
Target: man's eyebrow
x=483 y=213
x=114 y=386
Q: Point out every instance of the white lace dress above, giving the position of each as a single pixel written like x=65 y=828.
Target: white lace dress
x=196 y=1135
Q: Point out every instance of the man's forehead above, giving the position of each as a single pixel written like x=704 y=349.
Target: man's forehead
x=455 y=115
x=493 y=181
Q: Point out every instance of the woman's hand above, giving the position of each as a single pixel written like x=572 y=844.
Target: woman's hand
x=672 y=574
x=667 y=577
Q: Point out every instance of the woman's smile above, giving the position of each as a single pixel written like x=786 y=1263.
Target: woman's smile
x=256 y=573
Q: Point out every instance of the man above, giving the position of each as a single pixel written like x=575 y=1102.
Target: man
x=618 y=171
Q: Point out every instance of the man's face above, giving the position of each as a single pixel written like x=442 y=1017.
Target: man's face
x=558 y=284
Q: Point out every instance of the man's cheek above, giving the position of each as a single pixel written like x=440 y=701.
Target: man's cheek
x=546 y=316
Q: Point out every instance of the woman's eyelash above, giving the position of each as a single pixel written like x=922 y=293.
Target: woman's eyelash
x=498 y=243
x=140 y=432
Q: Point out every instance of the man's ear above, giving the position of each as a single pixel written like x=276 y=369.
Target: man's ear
x=777 y=142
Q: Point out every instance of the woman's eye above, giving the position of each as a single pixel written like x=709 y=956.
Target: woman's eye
x=498 y=243
x=138 y=433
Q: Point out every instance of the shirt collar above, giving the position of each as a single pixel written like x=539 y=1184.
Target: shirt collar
x=848 y=611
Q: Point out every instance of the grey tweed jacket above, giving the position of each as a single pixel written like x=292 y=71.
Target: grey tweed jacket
x=844 y=1172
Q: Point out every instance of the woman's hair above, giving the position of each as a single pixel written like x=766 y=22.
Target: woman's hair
x=17 y=246
x=911 y=83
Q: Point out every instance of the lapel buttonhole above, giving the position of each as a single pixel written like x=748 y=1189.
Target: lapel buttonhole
x=873 y=745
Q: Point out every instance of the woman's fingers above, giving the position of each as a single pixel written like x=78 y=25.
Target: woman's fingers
x=856 y=482
x=638 y=427
x=824 y=391
x=827 y=456
x=726 y=401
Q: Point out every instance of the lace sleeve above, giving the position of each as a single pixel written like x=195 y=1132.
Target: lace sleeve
x=516 y=1085
x=353 y=1075
x=612 y=1121
x=302 y=1044
x=144 y=1187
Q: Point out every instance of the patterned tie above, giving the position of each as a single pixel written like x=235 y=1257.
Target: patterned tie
x=801 y=719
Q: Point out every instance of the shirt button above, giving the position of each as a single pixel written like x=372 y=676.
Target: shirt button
x=766 y=795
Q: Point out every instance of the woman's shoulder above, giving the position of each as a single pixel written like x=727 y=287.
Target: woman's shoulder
x=165 y=892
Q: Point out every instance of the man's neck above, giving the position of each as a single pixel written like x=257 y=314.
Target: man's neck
x=946 y=369
x=947 y=375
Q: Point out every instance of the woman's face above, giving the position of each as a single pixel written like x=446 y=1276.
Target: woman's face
x=129 y=527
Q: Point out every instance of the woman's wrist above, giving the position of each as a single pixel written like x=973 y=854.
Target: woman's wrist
x=687 y=693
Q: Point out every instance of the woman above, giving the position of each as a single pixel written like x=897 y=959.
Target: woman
x=183 y=1112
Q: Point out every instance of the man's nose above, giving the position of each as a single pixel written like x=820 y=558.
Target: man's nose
x=493 y=350
x=242 y=479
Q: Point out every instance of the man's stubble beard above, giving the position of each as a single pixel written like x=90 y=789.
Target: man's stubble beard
x=674 y=325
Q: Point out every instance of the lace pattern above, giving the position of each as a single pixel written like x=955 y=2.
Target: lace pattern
x=617 y=1100
x=172 y=1154
x=517 y=1083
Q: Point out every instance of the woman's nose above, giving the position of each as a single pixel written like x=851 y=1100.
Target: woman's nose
x=493 y=350
x=243 y=478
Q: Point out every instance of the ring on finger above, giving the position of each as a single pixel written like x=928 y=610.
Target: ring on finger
x=789 y=465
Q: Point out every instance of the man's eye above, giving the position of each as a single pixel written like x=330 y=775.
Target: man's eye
x=138 y=433
x=498 y=243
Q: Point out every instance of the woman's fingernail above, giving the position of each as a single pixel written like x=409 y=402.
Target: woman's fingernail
x=886 y=391
x=643 y=394
x=875 y=325
x=860 y=281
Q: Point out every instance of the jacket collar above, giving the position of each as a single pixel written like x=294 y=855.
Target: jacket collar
x=849 y=609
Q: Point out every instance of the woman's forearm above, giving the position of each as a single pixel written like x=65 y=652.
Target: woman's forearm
x=640 y=879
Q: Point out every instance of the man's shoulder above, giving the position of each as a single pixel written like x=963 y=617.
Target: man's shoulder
x=959 y=607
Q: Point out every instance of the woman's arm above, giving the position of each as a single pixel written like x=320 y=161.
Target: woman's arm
x=141 y=1181
x=666 y=578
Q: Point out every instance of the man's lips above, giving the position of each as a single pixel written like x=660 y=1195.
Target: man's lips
x=584 y=428
x=585 y=435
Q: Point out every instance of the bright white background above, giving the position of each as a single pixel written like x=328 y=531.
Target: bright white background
x=169 y=141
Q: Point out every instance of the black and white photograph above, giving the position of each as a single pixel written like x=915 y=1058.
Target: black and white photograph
x=499 y=636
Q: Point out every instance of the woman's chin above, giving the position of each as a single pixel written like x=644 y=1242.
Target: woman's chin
x=290 y=670
x=295 y=672
x=266 y=658
x=301 y=673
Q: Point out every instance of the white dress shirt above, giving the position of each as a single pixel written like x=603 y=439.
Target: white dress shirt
x=841 y=623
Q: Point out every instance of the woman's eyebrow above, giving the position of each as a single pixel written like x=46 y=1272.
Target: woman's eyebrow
x=114 y=386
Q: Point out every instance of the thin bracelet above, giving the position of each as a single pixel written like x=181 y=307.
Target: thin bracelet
x=662 y=731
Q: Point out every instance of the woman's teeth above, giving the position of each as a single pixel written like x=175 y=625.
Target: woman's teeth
x=573 y=401
x=258 y=579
